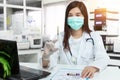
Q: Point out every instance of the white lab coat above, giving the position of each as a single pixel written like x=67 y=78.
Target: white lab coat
x=86 y=53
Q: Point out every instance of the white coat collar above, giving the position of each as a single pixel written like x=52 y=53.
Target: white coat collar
x=86 y=35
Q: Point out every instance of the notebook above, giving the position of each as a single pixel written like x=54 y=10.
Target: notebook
x=9 y=63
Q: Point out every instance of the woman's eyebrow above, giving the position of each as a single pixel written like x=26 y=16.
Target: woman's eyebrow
x=78 y=13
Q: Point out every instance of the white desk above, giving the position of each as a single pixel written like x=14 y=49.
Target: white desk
x=110 y=73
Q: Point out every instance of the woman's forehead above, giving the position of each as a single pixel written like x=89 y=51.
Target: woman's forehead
x=75 y=10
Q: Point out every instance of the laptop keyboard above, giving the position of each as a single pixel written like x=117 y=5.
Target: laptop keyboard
x=25 y=72
x=34 y=75
x=29 y=74
x=25 y=75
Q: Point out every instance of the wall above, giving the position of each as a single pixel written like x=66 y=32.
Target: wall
x=111 y=5
x=94 y=4
x=51 y=1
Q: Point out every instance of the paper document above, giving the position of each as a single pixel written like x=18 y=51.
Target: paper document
x=68 y=74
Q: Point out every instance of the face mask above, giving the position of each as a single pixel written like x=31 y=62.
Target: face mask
x=75 y=22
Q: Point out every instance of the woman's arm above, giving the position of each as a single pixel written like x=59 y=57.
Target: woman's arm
x=50 y=54
x=45 y=63
x=101 y=57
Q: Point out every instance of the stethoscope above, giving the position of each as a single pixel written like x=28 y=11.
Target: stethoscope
x=73 y=58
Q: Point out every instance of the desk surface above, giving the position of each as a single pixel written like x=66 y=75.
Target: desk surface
x=110 y=73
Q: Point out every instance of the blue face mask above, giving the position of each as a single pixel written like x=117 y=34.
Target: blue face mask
x=75 y=22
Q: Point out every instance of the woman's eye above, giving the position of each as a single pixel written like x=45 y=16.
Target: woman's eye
x=78 y=15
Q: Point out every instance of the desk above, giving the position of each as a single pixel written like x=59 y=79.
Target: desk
x=114 y=59
x=110 y=73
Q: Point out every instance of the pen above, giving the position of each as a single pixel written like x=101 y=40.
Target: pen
x=72 y=74
x=75 y=74
x=87 y=78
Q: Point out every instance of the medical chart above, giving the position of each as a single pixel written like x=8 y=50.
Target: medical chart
x=68 y=74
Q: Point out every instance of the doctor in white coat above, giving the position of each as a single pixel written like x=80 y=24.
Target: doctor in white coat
x=77 y=45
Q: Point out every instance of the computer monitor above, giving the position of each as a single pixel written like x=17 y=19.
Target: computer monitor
x=9 y=62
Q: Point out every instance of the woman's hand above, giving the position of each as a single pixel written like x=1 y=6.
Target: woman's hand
x=89 y=71
x=49 y=49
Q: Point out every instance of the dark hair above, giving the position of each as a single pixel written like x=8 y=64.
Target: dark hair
x=85 y=26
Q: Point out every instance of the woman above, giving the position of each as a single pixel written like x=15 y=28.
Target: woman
x=78 y=45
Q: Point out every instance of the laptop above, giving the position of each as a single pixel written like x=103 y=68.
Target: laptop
x=9 y=64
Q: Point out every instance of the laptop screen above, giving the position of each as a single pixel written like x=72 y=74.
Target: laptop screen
x=9 y=63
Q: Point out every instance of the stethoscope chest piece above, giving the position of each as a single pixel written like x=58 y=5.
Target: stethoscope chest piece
x=74 y=60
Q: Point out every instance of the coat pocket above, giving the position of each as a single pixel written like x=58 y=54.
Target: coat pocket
x=87 y=58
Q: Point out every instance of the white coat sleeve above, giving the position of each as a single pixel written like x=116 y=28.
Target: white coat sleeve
x=101 y=57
